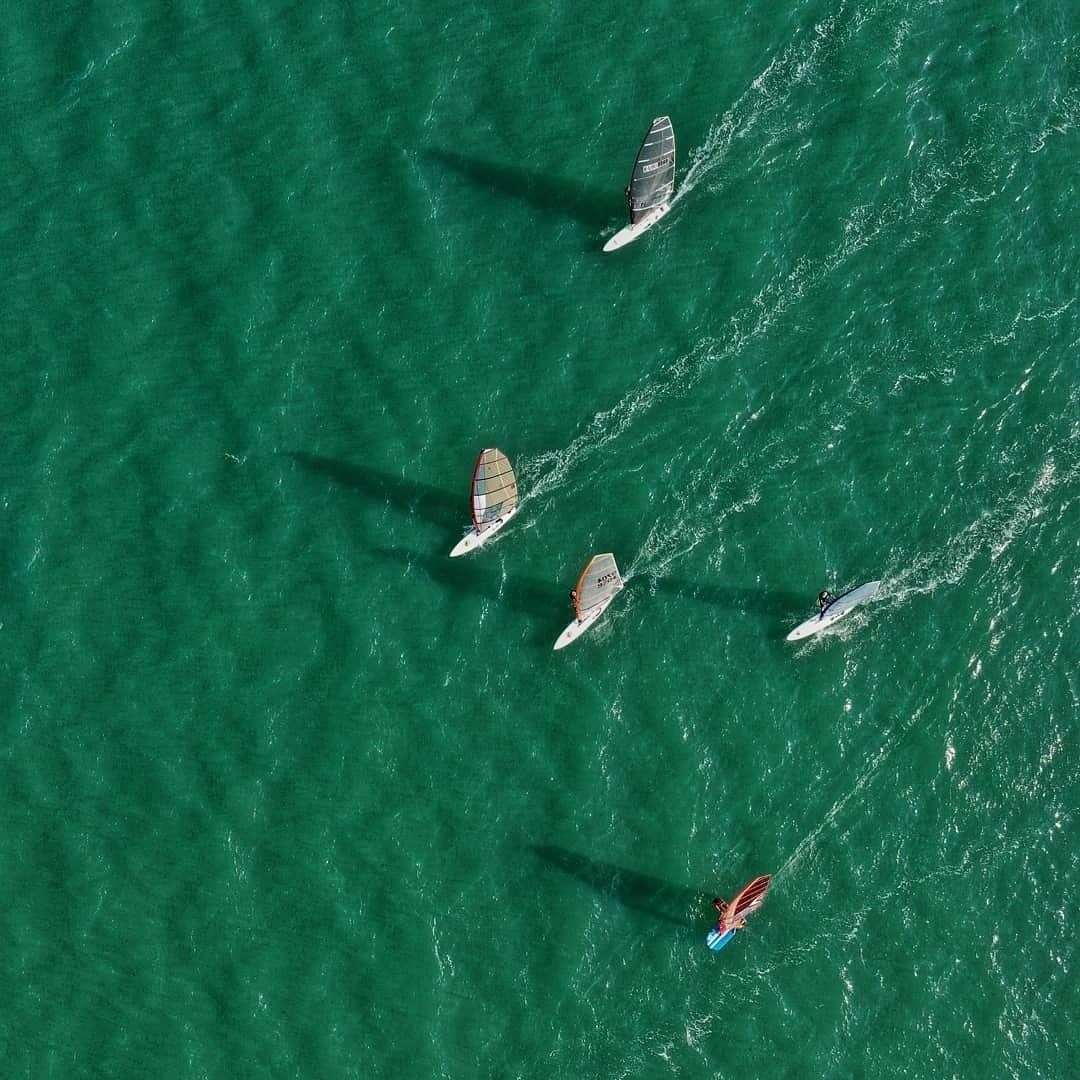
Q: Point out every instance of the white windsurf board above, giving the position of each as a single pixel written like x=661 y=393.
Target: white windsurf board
x=841 y=606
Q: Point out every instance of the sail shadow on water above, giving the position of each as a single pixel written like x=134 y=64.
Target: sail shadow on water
x=407 y=496
x=768 y=603
x=639 y=892
x=553 y=195
x=540 y=600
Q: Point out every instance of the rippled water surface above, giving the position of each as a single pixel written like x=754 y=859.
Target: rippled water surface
x=288 y=792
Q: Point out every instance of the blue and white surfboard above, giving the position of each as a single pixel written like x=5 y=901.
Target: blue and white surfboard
x=717 y=939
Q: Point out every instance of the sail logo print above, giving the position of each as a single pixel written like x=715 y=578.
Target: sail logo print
x=663 y=164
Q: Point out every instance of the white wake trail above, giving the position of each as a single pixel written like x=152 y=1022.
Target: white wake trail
x=903 y=215
x=993 y=531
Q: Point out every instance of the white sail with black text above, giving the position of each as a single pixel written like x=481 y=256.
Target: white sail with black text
x=493 y=497
x=598 y=585
x=652 y=183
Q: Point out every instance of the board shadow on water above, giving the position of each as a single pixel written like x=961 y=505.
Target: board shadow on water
x=640 y=892
x=407 y=496
x=552 y=195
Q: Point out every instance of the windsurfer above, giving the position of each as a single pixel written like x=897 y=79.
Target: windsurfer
x=721 y=906
x=824 y=599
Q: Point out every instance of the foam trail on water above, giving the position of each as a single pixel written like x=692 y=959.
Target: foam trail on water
x=698 y=518
x=767 y=95
x=664 y=545
x=809 y=841
x=865 y=225
x=994 y=531
x=798 y=63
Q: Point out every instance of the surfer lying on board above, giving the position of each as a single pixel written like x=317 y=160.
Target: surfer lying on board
x=824 y=599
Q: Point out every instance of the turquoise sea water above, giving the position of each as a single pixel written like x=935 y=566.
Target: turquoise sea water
x=289 y=793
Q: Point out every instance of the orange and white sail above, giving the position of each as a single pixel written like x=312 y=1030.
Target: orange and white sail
x=599 y=582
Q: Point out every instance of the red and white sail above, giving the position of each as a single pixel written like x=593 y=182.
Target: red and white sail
x=746 y=902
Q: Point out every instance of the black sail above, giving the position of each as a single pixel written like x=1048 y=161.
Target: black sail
x=653 y=178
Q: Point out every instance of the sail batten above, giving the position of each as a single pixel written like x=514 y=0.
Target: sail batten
x=653 y=178
x=494 y=488
x=599 y=582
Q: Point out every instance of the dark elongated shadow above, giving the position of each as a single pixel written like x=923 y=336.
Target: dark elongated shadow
x=473 y=574
x=408 y=496
x=551 y=194
x=771 y=603
x=641 y=892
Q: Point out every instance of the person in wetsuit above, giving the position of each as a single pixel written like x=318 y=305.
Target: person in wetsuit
x=824 y=599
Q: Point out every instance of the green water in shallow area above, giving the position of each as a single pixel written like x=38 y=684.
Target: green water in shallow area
x=287 y=792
